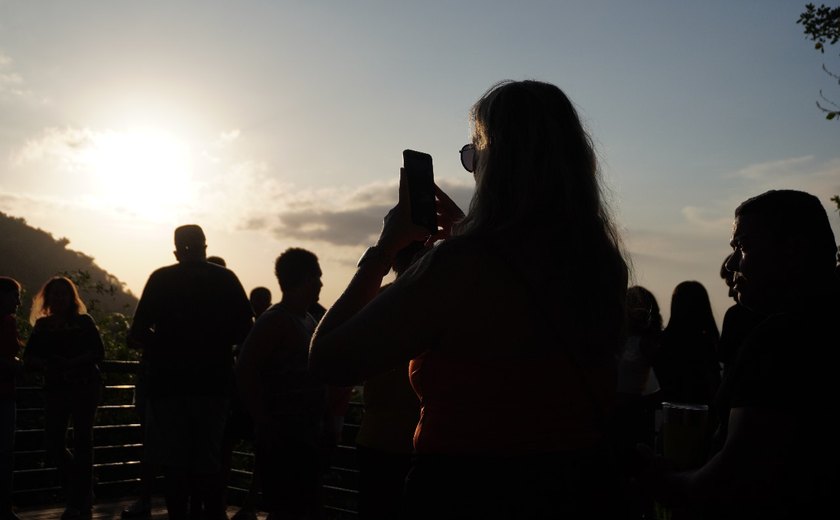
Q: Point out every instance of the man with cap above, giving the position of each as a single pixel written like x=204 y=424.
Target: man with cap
x=188 y=319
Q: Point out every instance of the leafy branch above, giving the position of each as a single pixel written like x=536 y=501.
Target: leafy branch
x=822 y=25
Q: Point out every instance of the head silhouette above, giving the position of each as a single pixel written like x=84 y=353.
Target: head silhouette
x=58 y=297
x=260 y=299
x=190 y=244
x=783 y=250
x=299 y=275
x=537 y=179
x=9 y=295
x=691 y=310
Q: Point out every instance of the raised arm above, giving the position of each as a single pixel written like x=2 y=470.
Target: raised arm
x=362 y=334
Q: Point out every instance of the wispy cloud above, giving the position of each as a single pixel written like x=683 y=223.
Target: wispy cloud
x=13 y=86
x=708 y=220
x=229 y=136
x=805 y=173
x=801 y=173
x=336 y=216
x=774 y=170
x=66 y=145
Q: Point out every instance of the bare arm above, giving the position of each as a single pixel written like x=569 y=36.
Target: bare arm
x=362 y=335
x=748 y=469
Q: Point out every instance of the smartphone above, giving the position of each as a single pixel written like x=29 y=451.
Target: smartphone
x=421 y=186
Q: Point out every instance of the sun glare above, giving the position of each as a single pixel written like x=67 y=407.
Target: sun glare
x=145 y=173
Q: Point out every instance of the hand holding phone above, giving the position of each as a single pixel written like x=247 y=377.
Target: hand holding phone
x=421 y=188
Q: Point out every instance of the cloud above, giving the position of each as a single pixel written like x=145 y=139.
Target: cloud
x=678 y=247
x=773 y=170
x=224 y=190
x=229 y=136
x=822 y=179
x=336 y=216
x=12 y=85
x=707 y=220
x=343 y=227
x=66 y=145
x=801 y=173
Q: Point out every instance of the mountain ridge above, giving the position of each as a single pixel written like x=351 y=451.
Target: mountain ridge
x=32 y=256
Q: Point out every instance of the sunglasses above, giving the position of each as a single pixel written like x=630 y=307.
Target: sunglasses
x=468 y=157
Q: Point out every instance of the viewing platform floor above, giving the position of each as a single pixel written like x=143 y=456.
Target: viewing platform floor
x=108 y=511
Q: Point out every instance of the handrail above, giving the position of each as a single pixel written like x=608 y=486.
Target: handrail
x=118 y=449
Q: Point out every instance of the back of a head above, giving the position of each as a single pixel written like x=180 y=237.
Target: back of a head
x=42 y=303
x=536 y=164
x=537 y=181
x=691 y=309
x=190 y=242
x=260 y=298
x=796 y=217
x=294 y=266
x=8 y=285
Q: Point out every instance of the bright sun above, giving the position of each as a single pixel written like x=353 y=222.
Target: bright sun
x=146 y=173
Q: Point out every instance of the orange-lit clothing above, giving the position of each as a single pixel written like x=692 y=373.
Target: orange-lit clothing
x=508 y=406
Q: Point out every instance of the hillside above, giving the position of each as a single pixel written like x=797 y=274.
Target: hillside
x=32 y=256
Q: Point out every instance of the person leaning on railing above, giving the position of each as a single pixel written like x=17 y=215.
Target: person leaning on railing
x=66 y=345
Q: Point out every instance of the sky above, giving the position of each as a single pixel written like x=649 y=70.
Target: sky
x=276 y=124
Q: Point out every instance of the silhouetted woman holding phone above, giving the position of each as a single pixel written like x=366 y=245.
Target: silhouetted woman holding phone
x=65 y=343
x=512 y=323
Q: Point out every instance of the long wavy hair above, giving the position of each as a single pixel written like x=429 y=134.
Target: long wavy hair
x=537 y=179
x=42 y=304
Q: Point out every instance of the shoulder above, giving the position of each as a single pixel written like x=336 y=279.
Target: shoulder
x=221 y=274
x=463 y=247
x=275 y=318
x=41 y=324
x=161 y=275
x=86 y=320
x=164 y=271
x=458 y=257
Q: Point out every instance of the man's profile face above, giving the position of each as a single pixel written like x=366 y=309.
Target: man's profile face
x=759 y=265
x=314 y=283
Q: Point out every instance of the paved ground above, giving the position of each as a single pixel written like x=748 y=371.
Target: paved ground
x=103 y=511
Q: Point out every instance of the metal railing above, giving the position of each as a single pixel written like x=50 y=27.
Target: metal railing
x=118 y=449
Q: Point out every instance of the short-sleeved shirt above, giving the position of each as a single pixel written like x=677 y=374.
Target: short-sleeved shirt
x=189 y=317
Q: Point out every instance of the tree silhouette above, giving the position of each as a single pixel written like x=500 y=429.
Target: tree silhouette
x=822 y=25
x=32 y=256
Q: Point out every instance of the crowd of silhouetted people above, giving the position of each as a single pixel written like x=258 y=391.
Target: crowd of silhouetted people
x=508 y=371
